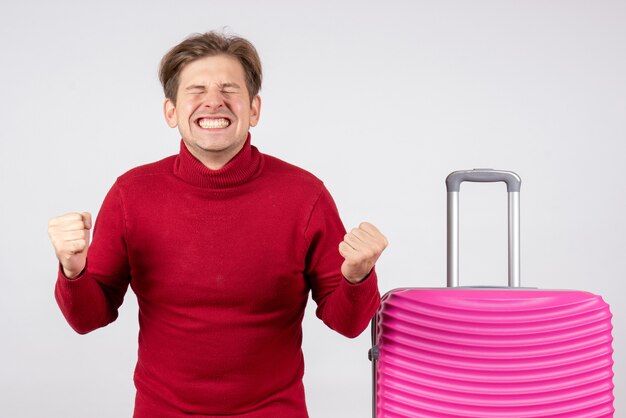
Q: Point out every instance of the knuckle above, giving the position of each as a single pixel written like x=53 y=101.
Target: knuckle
x=360 y=256
x=68 y=217
x=352 y=263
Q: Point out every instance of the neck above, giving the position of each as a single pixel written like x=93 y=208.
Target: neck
x=236 y=170
x=213 y=160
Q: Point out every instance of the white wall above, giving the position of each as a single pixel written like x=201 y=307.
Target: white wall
x=379 y=99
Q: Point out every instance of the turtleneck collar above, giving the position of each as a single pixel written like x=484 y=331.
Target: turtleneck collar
x=242 y=168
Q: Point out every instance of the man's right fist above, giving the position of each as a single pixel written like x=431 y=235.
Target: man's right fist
x=69 y=235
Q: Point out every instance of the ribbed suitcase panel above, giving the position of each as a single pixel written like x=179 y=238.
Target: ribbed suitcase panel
x=451 y=353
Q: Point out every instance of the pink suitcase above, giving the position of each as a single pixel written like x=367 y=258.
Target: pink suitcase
x=508 y=352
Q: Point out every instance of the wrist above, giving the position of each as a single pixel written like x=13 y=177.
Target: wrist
x=357 y=281
x=71 y=274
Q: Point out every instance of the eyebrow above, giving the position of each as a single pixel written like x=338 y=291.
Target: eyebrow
x=221 y=85
x=231 y=85
x=195 y=87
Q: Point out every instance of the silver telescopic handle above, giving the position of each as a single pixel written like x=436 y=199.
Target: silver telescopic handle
x=453 y=184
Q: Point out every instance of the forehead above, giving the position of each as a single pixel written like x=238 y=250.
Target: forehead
x=214 y=69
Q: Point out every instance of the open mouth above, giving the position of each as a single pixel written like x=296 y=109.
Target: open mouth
x=213 y=123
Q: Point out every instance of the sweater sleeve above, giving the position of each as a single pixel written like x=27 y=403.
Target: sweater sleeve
x=91 y=300
x=345 y=307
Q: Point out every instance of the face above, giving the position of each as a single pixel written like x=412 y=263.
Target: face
x=213 y=110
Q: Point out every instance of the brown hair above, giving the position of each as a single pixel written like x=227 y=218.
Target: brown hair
x=208 y=44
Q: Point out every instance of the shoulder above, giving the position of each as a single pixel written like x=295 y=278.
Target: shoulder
x=147 y=171
x=290 y=174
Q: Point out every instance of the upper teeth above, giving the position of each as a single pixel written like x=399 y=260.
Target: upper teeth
x=213 y=123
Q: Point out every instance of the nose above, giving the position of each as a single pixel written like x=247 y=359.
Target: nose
x=213 y=99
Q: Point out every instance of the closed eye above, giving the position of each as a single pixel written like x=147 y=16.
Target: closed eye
x=230 y=88
x=195 y=89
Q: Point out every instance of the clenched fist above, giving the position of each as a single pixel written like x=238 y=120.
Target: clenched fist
x=361 y=247
x=69 y=235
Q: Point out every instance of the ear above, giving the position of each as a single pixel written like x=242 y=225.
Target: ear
x=255 y=110
x=169 y=111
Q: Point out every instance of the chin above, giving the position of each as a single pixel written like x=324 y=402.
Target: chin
x=212 y=145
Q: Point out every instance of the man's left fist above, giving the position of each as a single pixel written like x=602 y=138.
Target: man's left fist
x=361 y=247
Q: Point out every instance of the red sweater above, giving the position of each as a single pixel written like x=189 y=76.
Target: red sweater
x=221 y=263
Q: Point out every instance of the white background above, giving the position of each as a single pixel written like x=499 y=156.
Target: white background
x=381 y=100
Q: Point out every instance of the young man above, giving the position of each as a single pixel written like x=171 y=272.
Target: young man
x=221 y=244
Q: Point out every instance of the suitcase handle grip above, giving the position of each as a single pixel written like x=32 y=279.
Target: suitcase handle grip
x=483 y=175
x=453 y=183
